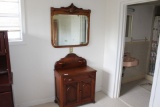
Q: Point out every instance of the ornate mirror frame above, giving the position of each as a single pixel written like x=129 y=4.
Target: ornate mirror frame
x=70 y=10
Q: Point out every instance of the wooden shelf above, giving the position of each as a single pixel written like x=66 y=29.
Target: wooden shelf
x=3 y=72
x=6 y=97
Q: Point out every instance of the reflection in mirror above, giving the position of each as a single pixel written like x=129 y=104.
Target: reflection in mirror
x=129 y=26
x=70 y=29
x=70 y=26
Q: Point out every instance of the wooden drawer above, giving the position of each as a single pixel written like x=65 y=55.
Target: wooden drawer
x=5 y=88
x=78 y=78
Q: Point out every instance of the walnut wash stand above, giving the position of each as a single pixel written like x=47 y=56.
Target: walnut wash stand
x=74 y=81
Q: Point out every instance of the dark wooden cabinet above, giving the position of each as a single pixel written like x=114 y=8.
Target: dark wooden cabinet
x=6 y=98
x=74 y=81
x=2 y=45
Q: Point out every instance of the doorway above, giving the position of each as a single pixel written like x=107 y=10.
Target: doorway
x=139 y=54
x=117 y=92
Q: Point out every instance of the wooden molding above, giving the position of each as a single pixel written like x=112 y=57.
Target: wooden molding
x=70 y=61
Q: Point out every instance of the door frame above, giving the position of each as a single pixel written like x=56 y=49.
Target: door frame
x=120 y=51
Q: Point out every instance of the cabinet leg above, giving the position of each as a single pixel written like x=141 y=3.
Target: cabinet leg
x=55 y=101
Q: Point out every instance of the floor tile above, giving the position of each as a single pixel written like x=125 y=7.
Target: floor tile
x=135 y=95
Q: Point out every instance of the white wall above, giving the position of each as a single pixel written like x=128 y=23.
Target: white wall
x=142 y=21
x=33 y=62
x=111 y=46
x=156 y=98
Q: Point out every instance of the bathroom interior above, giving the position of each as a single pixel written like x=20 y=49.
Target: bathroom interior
x=141 y=42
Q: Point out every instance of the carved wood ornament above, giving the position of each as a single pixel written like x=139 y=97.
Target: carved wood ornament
x=72 y=9
x=70 y=61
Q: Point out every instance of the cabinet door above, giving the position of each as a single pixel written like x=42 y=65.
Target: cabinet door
x=2 y=44
x=70 y=93
x=87 y=90
x=6 y=99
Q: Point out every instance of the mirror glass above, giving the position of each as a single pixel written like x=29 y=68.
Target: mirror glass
x=70 y=29
x=129 y=26
x=70 y=26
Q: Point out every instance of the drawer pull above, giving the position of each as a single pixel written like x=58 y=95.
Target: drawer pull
x=60 y=63
x=70 y=79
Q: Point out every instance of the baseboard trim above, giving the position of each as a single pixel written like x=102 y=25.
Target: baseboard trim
x=149 y=77
x=107 y=92
x=36 y=102
x=133 y=79
x=47 y=100
x=98 y=88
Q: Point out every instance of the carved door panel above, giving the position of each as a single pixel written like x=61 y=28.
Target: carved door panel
x=2 y=44
x=86 y=90
x=70 y=93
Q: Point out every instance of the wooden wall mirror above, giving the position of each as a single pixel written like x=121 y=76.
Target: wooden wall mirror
x=70 y=26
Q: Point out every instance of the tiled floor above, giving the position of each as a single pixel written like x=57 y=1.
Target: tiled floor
x=136 y=94
x=132 y=95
